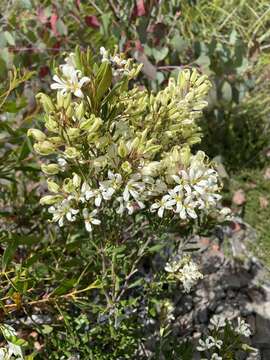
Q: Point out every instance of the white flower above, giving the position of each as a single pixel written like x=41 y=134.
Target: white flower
x=165 y=203
x=189 y=275
x=172 y=267
x=133 y=188
x=62 y=211
x=104 y=54
x=89 y=219
x=130 y=206
x=70 y=82
x=242 y=328
x=176 y=194
x=96 y=194
x=226 y=213
x=209 y=343
x=217 y=321
x=62 y=163
x=187 y=208
x=85 y=192
x=200 y=183
x=70 y=60
x=108 y=187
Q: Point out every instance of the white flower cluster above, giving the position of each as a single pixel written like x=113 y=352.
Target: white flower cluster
x=187 y=272
x=209 y=343
x=120 y=66
x=242 y=328
x=195 y=191
x=71 y=80
x=127 y=169
x=11 y=351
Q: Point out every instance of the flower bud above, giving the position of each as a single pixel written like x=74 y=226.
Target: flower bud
x=44 y=148
x=69 y=111
x=36 y=134
x=185 y=156
x=60 y=100
x=96 y=125
x=67 y=101
x=189 y=96
x=200 y=80
x=68 y=186
x=200 y=105
x=73 y=133
x=56 y=140
x=46 y=102
x=52 y=186
x=122 y=149
x=203 y=88
x=91 y=125
x=194 y=76
x=72 y=152
x=80 y=111
x=51 y=124
x=50 y=199
x=151 y=169
x=126 y=167
x=50 y=169
x=76 y=180
x=134 y=144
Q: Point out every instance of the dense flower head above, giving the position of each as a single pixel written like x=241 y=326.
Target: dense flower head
x=123 y=149
x=185 y=270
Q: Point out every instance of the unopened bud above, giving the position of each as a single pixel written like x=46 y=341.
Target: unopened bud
x=50 y=169
x=80 y=111
x=72 y=152
x=44 y=148
x=126 y=167
x=52 y=186
x=50 y=199
x=36 y=134
x=122 y=149
x=46 y=102
x=76 y=180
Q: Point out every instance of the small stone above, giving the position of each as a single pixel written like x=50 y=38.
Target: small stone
x=230 y=294
x=202 y=315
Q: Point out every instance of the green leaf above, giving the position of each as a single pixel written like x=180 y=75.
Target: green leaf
x=61 y=27
x=156 y=248
x=9 y=38
x=25 y=150
x=204 y=62
x=9 y=252
x=178 y=43
x=66 y=285
x=103 y=79
x=160 y=54
x=226 y=91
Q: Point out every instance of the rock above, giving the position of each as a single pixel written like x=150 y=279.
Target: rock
x=202 y=315
x=237 y=281
x=261 y=338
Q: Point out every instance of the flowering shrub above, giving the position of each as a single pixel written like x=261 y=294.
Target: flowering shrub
x=127 y=150
x=225 y=340
x=119 y=161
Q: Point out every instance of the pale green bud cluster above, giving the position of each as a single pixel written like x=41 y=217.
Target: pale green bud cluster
x=120 y=149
